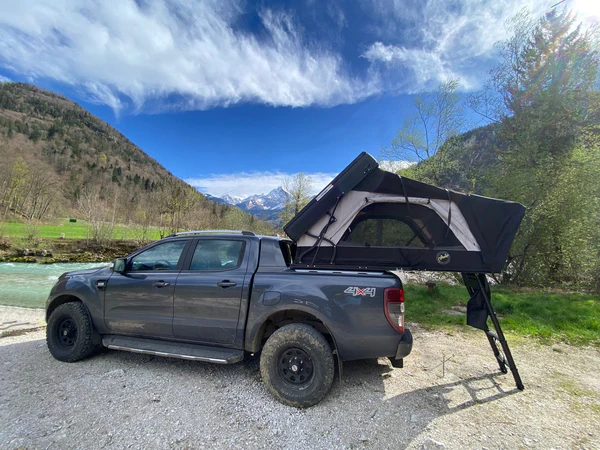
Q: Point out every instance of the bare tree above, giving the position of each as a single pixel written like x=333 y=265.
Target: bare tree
x=438 y=116
x=298 y=189
x=41 y=192
x=95 y=210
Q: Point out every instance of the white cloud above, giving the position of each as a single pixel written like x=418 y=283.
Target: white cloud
x=245 y=184
x=4 y=79
x=425 y=43
x=175 y=54
x=395 y=166
x=157 y=55
x=426 y=67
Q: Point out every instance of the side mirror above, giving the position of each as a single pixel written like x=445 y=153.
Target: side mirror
x=119 y=265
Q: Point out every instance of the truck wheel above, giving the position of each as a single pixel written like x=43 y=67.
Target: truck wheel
x=297 y=365
x=69 y=333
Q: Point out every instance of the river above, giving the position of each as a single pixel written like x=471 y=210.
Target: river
x=23 y=284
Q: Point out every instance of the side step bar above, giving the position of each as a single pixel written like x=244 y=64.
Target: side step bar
x=479 y=309
x=179 y=350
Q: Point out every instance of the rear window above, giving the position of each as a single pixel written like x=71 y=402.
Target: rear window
x=217 y=254
x=287 y=251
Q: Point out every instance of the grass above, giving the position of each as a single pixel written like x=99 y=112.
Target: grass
x=77 y=230
x=570 y=317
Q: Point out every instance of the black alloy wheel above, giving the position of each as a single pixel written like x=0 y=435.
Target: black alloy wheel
x=295 y=366
x=70 y=333
x=67 y=332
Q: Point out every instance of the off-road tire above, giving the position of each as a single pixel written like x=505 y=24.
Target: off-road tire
x=302 y=340
x=80 y=344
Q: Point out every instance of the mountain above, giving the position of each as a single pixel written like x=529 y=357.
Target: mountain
x=273 y=201
x=219 y=200
x=463 y=163
x=231 y=200
x=264 y=206
x=58 y=160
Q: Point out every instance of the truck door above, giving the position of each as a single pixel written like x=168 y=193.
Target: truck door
x=208 y=293
x=140 y=300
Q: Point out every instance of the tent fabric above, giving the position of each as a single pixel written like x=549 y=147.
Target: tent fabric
x=483 y=227
x=355 y=201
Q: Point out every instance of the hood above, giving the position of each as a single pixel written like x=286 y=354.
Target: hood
x=87 y=272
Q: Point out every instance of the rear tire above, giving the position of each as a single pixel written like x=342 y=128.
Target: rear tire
x=297 y=365
x=69 y=333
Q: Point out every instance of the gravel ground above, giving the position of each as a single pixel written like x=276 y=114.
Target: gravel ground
x=13 y=320
x=123 y=400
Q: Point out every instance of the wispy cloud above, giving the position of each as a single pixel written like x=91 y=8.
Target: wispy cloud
x=245 y=184
x=428 y=42
x=174 y=54
x=4 y=79
x=157 y=55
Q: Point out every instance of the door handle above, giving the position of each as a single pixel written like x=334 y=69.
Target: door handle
x=160 y=284
x=227 y=283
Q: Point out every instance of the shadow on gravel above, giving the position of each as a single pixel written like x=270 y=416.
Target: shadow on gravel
x=375 y=410
x=412 y=410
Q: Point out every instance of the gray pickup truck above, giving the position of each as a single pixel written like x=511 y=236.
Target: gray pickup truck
x=219 y=296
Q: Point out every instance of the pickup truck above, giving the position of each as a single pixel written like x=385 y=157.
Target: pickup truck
x=219 y=296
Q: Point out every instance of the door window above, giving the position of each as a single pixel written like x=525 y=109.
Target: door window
x=217 y=254
x=160 y=257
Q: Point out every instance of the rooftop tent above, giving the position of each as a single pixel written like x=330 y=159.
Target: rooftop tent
x=372 y=219
x=367 y=218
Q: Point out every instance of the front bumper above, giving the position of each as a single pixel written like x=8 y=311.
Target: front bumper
x=405 y=345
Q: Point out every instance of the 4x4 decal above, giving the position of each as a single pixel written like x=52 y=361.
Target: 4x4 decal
x=356 y=291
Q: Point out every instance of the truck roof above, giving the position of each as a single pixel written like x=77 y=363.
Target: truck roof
x=223 y=233
x=272 y=253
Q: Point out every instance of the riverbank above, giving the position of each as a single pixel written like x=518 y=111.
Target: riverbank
x=28 y=285
x=49 y=251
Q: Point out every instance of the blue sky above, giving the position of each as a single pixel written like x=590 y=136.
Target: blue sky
x=234 y=95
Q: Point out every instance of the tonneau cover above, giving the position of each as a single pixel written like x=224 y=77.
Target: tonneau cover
x=369 y=218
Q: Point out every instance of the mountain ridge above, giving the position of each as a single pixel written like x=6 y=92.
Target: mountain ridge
x=264 y=206
x=59 y=160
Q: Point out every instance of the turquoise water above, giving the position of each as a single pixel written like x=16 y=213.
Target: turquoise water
x=23 y=284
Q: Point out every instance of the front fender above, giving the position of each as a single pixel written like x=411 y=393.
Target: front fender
x=82 y=287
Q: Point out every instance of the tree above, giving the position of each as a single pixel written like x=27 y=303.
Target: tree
x=16 y=183
x=438 y=116
x=95 y=210
x=297 y=188
x=544 y=96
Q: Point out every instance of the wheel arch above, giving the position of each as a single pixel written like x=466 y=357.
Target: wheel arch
x=287 y=316
x=70 y=298
x=61 y=300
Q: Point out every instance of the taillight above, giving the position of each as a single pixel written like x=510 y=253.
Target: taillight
x=393 y=305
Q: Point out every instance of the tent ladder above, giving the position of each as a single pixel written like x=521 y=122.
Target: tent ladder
x=479 y=309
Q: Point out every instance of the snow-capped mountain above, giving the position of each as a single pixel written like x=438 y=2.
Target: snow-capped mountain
x=273 y=201
x=232 y=200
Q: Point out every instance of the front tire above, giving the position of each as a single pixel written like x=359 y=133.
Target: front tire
x=69 y=333
x=297 y=365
